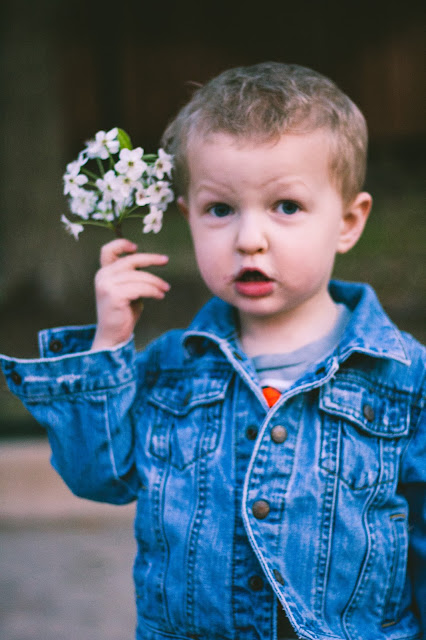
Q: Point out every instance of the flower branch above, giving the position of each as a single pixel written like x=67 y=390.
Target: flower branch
x=126 y=180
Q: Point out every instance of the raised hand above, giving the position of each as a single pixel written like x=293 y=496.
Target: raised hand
x=120 y=286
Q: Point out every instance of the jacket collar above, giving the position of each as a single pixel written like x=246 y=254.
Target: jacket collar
x=369 y=331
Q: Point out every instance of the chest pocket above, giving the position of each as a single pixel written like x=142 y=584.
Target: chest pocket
x=186 y=415
x=362 y=425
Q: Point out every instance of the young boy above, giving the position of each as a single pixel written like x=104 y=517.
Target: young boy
x=276 y=448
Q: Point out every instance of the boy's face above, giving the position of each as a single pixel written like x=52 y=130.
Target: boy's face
x=267 y=221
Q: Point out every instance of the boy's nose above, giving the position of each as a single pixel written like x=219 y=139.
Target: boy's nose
x=251 y=235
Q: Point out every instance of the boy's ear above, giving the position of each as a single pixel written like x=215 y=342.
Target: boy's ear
x=353 y=221
x=183 y=206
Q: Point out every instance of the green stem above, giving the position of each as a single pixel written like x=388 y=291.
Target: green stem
x=100 y=167
x=89 y=174
x=93 y=223
x=127 y=212
x=117 y=230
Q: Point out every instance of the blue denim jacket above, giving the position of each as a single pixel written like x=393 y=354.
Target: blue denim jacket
x=330 y=519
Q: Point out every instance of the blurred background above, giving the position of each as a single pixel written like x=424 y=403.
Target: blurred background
x=69 y=69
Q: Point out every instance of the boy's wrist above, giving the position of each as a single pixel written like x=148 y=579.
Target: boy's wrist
x=101 y=343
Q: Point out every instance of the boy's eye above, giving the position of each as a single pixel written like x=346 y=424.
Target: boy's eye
x=288 y=207
x=220 y=210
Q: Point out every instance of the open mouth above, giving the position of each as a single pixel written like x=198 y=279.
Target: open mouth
x=252 y=275
x=253 y=283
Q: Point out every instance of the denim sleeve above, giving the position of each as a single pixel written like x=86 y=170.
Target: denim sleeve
x=413 y=486
x=84 y=400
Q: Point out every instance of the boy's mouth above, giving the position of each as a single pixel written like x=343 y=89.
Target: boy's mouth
x=253 y=283
x=252 y=275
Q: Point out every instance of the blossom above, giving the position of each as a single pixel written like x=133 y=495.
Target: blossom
x=163 y=165
x=153 y=221
x=160 y=194
x=74 y=167
x=83 y=203
x=73 y=180
x=107 y=185
x=104 y=214
x=72 y=227
x=103 y=144
x=125 y=185
x=141 y=196
x=131 y=163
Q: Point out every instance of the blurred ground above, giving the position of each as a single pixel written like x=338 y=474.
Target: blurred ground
x=65 y=563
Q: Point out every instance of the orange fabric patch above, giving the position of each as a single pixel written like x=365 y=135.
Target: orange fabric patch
x=271 y=395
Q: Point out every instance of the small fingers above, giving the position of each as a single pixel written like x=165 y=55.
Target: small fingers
x=113 y=250
x=121 y=254
x=140 y=261
x=106 y=282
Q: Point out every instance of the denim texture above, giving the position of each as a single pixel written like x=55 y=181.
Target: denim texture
x=331 y=521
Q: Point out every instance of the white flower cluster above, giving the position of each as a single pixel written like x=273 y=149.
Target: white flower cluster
x=120 y=186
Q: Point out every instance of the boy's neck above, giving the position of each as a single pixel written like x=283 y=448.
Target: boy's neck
x=293 y=330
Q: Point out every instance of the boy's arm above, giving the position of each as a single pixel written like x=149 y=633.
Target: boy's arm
x=83 y=387
x=84 y=401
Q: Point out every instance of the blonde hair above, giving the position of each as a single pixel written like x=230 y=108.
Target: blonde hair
x=264 y=101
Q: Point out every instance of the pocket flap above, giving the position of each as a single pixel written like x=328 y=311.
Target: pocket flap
x=375 y=409
x=179 y=391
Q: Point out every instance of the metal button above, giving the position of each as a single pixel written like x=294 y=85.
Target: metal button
x=260 y=509
x=16 y=377
x=278 y=576
x=55 y=345
x=279 y=434
x=251 y=433
x=256 y=583
x=368 y=412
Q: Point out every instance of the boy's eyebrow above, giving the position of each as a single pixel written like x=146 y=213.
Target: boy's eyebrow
x=212 y=186
x=286 y=182
x=279 y=181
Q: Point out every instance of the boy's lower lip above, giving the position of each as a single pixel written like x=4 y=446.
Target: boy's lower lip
x=254 y=288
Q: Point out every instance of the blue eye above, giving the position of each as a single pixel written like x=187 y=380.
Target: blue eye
x=220 y=210
x=288 y=207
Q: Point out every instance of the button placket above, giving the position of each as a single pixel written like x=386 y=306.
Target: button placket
x=261 y=509
x=368 y=412
x=279 y=434
x=256 y=583
x=278 y=577
x=251 y=432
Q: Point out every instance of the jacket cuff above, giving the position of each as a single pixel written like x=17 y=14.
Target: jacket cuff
x=65 y=340
x=68 y=366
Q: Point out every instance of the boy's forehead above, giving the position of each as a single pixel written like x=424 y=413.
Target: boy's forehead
x=224 y=139
x=226 y=166
x=220 y=151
